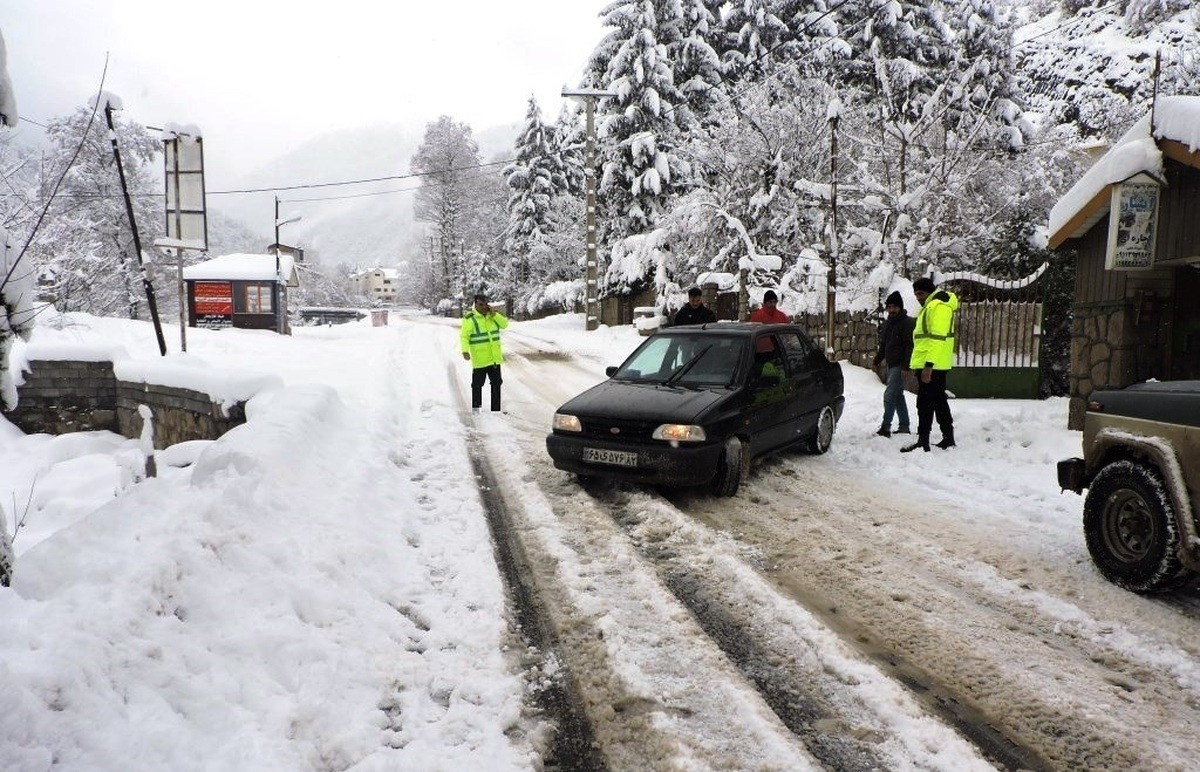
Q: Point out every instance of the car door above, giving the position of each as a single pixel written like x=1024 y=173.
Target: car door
x=769 y=412
x=808 y=393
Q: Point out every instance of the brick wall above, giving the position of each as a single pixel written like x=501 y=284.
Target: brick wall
x=60 y=396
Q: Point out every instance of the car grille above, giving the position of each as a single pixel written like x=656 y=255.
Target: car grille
x=625 y=429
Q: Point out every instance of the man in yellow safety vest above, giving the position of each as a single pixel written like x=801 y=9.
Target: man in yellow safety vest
x=480 y=340
x=932 y=358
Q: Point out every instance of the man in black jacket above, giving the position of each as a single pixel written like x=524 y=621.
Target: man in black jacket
x=895 y=348
x=695 y=312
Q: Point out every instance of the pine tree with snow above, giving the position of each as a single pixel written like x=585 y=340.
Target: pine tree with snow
x=982 y=77
x=697 y=65
x=531 y=183
x=641 y=172
x=900 y=50
x=751 y=37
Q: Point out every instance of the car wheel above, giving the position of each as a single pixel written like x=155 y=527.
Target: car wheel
x=1129 y=526
x=730 y=467
x=822 y=438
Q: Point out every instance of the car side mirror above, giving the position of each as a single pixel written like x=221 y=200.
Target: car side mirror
x=610 y=371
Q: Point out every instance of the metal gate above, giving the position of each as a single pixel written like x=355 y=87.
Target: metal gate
x=997 y=337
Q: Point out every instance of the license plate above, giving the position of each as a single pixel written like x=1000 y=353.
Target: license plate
x=615 y=457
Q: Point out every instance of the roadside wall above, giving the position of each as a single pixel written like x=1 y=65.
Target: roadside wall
x=61 y=396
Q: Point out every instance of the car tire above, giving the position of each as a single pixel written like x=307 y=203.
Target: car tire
x=731 y=466
x=822 y=438
x=1130 y=530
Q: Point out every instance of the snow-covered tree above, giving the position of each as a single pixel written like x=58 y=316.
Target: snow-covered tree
x=641 y=171
x=532 y=187
x=16 y=303
x=84 y=252
x=752 y=35
x=448 y=162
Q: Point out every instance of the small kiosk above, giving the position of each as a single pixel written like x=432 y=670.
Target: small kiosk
x=240 y=290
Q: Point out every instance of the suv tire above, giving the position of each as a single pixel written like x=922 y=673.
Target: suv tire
x=1129 y=526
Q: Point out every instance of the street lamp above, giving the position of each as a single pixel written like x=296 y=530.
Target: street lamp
x=592 y=303
x=280 y=286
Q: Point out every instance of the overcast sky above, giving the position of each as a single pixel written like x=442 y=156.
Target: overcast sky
x=259 y=77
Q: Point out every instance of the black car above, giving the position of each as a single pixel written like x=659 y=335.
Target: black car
x=694 y=405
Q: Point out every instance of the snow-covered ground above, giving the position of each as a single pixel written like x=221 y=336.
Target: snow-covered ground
x=318 y=590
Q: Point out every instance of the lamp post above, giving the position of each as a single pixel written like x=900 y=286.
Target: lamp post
x=590 y=274
x=280 y=286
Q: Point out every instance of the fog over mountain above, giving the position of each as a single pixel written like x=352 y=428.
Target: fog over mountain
x=365 y=224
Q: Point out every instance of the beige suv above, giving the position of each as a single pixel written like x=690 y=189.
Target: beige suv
x=1141 y=469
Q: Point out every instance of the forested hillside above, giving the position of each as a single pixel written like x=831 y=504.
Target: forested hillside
x=792 y=137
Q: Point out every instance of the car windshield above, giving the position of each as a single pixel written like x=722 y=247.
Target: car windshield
x=686 y=360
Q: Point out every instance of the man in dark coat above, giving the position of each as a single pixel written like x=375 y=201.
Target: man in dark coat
x=695 y=312
x=895 y=350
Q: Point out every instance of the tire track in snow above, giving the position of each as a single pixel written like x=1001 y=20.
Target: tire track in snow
x=573 y=746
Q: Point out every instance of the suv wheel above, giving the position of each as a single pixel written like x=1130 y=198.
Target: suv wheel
x=733 y=464
x=1129 y=525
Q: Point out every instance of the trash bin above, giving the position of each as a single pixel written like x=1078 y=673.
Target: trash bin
x=379 y=318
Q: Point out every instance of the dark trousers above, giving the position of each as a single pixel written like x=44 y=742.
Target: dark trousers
x=492 y=374
x=931 y=401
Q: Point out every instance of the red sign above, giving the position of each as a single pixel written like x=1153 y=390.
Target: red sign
x=213 y=298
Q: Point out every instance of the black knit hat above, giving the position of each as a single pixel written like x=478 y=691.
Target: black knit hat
x=894 y=299
x=923 y=284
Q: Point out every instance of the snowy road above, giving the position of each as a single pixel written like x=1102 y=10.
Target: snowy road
x=317 y=590
x=808 y=602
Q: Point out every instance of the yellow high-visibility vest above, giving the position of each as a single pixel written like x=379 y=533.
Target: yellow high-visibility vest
x=480 y=337
x=933 y=334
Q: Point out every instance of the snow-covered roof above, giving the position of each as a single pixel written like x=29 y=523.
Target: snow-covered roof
x=1176 y=134
x=244 y=267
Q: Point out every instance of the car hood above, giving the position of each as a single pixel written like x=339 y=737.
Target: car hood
x=644 y=402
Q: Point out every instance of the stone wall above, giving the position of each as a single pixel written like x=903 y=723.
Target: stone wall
x=60 y=396
x=1103 y=355
x=855 y=334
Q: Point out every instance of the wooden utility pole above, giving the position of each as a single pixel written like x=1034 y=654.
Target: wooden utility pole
x=137 y=241
x=831 y=276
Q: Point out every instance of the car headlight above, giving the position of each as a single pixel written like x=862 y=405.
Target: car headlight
x=567 y=423
x=680 y=433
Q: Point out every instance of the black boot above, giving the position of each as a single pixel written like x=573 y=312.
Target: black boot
x=922 y=443
x=947 y=439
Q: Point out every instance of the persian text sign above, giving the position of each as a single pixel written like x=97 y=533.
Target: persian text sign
x=1132 y=225
x=213 y=302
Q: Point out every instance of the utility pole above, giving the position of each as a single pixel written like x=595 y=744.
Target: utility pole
x=831 y=280
x=280 y=284
x=137 y=241
x=591 y=273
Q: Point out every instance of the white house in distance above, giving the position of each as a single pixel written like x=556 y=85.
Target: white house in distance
x=240 y=290
x=381 y=285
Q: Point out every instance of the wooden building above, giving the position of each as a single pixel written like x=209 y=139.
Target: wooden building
x=240 y=290
x=1133 y=221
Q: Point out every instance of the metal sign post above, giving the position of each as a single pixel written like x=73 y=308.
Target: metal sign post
x=187 y=219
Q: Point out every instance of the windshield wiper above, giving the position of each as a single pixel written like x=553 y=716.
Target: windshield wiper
x=683 y=368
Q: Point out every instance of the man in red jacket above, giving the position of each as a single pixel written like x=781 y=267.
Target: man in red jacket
x=769 y=313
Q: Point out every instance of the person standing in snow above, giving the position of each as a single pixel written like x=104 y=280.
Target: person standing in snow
x=769 y=312
x=895 y=351
x=932 y=357
x=695 y=312
x=480 y=341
